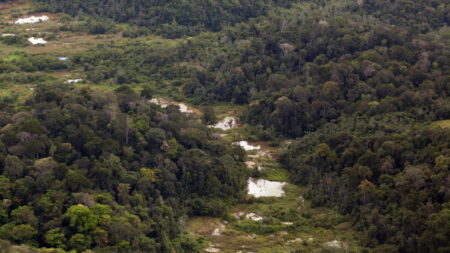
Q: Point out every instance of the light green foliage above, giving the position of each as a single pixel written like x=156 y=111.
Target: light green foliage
x=358 y=82
x=5 y=231
x=174 y=148
x=100 y=236
x=55 y=238
x=255 y=227
x=5 y=187
x=148 y=175
x=24 y=215
x=209 y=116
x=100 y=209
x=82 y=218
x=24 y=233
x=80 y=242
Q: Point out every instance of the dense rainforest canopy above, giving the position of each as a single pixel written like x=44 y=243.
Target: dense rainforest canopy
x=392 y=177
x=300 y=73
x=87 y=169
x=359 y=85
x=171 y=18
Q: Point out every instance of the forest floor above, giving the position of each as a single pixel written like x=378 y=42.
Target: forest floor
x=273 y=224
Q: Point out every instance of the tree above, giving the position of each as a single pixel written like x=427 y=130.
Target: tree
x=24 y=215
x=44 y=166
x=76 y=181
x=330 y=91
x=324 y=157
x=100 y=236
x=123 y=193
x=13 y=167
x=357 y=173
x=435 y=237
x=34 y=148
x=80 y=242
x=32 y=126
x=24 y=233
x=81 y=218
x=5 y=187
x=148 y=175
x=367 y=190
x=56 y=238
x=155 y=137
x=209 y=116
x=147 y=92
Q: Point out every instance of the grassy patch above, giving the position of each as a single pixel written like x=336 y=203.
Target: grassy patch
x=223 y=110
x=255 y=227
x=203 y=225
x=441 y=123
x=308 y=230
x=273 y=171
x=14 y=56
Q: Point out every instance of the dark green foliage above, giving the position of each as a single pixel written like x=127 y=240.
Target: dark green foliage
x=391 y=179
x=22 y=62
x=358 y=82
x=296 y=79
x=209 y=116
x=169 y=18
x=79 y=172
x=14 y=40
x=417 y=15
x=88 y=25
